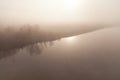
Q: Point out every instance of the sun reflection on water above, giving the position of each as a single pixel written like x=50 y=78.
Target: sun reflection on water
x=71 y=38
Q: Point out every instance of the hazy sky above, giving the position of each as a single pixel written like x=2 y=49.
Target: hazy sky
x=58 y=11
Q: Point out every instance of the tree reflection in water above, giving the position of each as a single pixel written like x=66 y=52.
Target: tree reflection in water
x=34 y=49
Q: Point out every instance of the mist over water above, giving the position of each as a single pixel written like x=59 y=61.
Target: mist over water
x=13 y=37
x=90 y=56
x=59 y=39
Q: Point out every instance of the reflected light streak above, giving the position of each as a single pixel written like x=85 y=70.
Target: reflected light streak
x=70 y=38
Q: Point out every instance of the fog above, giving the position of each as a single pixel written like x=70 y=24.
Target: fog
x=12 y=37
x=59 y=11
x=91 y=56
x=59 y=40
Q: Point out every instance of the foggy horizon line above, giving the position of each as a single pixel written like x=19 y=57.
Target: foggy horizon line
x=12 y=38
x=34 y=39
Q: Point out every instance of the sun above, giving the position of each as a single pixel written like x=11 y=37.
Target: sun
x=71 y=4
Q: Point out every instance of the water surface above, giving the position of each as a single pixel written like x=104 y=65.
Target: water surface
x=92 y=56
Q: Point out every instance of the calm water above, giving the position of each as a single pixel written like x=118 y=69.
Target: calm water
x=93 y=56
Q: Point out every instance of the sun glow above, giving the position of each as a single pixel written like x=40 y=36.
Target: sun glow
x=43 y=11
x=71 y=4
x=70 y=38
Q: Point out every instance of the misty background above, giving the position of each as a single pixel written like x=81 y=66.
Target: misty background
x=59 y=11
x=59 y=40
